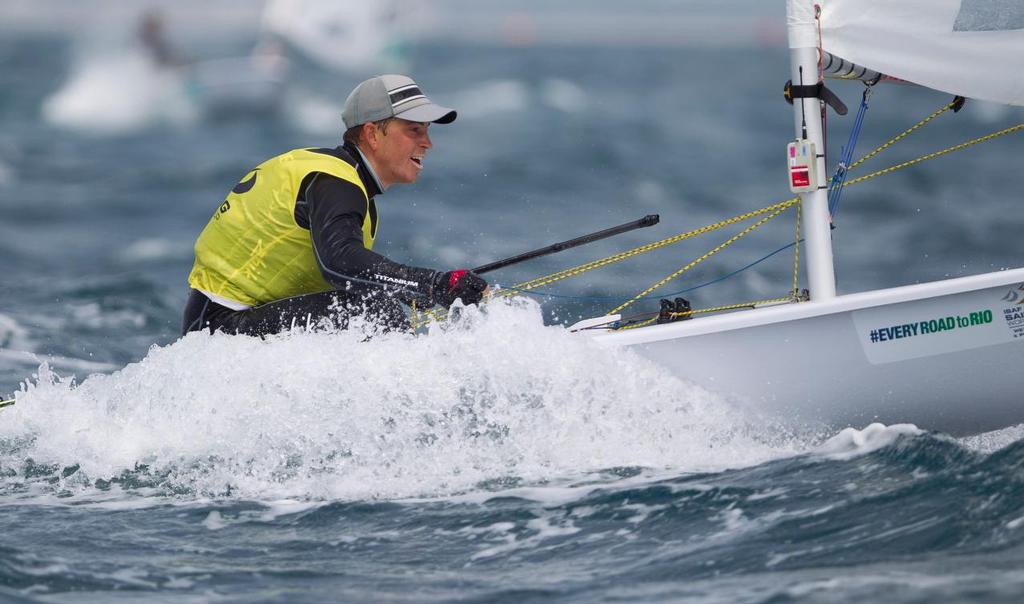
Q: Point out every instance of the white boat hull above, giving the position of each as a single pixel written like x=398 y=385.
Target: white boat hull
x=945 y=356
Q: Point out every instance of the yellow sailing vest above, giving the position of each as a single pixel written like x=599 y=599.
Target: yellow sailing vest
x=252 y=251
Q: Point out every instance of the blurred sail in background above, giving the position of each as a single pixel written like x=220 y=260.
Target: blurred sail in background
x=246 y=84
x=344 y=35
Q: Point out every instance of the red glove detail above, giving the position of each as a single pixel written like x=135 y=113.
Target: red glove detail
x=459 y=284
x=453 y=279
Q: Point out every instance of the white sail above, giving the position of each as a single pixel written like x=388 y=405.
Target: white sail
x=972 y=48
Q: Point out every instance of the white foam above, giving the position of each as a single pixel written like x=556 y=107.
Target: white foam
x=490 y=97
x=285 y=507
x=501 y=538
x=990 y=442
x=119 y=92
x=144 y=250
x=214 y=521
x=90 y=315
x=310 y=112
x=30 y=359
x=326 y=416
x=564 y=95
x=851 y=442
x=13 y=334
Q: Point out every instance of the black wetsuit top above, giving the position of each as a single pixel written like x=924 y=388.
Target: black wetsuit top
x=334 y=210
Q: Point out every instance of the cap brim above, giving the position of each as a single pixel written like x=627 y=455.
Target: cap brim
x=429 y=113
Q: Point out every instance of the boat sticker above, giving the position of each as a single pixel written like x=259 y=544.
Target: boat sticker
x=1013 y=310
x=942 y=325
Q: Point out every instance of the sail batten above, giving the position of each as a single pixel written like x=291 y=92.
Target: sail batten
x=841 y=69
x=972 y=48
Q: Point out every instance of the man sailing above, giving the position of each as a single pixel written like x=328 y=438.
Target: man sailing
x=292 y=243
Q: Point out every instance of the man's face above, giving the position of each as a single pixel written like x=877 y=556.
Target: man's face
x=397 y=153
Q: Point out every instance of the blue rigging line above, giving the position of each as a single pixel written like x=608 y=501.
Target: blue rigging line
x=835 y=188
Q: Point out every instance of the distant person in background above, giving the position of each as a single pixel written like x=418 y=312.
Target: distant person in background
x=269 y=54
x=292 y=243
x=154 y=39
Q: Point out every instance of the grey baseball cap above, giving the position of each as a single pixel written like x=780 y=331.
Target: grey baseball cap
x=391 y=95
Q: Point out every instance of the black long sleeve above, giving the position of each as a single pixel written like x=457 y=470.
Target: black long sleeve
x=335 y=210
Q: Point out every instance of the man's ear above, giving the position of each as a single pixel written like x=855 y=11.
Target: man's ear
x=371 y=134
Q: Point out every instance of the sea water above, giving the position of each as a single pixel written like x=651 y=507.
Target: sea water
x=496 y=457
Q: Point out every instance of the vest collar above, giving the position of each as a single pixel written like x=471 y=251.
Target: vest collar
x=365 y=169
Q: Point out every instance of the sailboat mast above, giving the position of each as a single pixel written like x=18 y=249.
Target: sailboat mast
x=803 y=52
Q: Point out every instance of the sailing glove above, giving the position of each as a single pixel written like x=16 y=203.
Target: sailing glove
x=461 y=284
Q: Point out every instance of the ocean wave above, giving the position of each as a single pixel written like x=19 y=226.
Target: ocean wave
x=638 y=532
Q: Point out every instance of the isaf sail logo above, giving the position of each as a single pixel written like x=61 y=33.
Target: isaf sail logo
x=1015 y=295
x=990 y=15
x=1014 y=315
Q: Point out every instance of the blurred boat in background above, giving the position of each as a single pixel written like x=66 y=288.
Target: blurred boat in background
x=120 y=85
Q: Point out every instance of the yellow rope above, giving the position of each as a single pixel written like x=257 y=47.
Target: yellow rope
x=793 y=297
x=796 y=253
x=774 y=210
x=945 y=151
x=694 y=263
x=547 y=280
x=888 y=144
x=700 y=311
x=439 y=314
x=902 y=135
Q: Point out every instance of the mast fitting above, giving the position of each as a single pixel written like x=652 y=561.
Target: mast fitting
x=813 y=91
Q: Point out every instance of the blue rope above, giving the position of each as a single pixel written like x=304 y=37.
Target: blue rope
x=835 y=188
x=683 y=291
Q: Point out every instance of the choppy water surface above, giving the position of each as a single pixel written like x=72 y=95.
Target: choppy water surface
x=498 y=458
